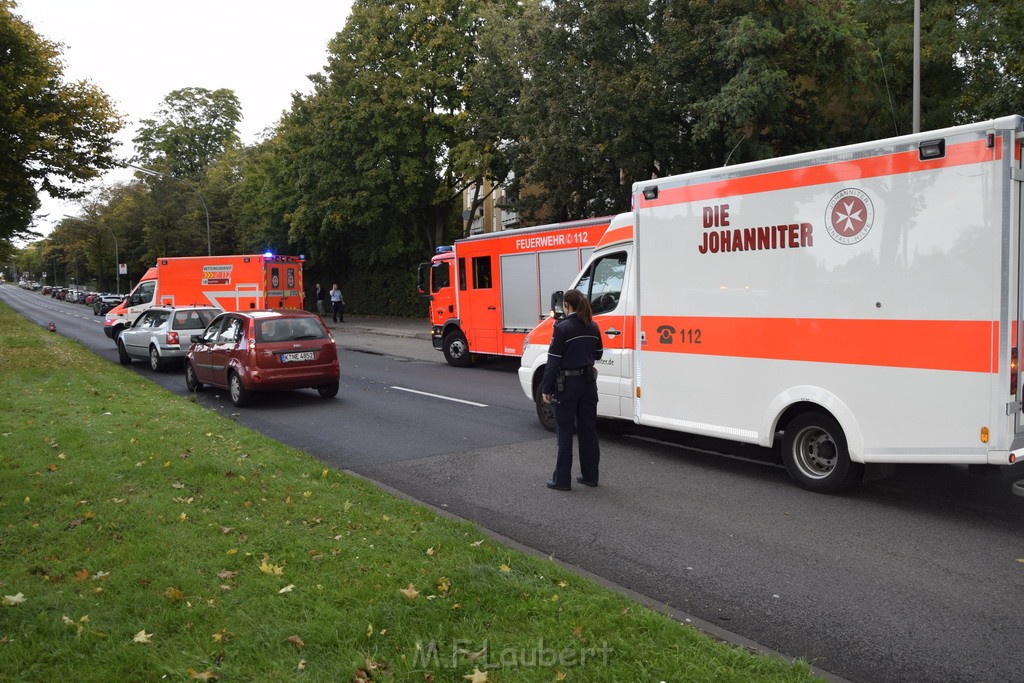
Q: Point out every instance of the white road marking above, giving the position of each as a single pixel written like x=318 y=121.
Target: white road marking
x=446 y=398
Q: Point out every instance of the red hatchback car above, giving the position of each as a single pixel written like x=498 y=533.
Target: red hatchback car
x=250 y=351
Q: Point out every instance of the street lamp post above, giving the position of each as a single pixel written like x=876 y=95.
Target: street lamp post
x=117 y=257
x=150 y=171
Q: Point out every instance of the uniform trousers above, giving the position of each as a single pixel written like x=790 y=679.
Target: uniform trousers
x=575 y=409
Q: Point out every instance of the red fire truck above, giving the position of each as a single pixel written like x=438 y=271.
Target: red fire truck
x=487 y=291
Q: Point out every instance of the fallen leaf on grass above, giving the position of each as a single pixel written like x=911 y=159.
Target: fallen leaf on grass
x=477 y=543
x=226 y=529
x=295 y=640
x=173 y=594
x=223 y=636
x=409 y=592
x=204 y=676
x=505 y=568
x=287 y=589
x=302 y=665
x=142 y=637
x=477 y=676
x=272 y=569
x=473 y=656
x=227 y=574
x=11 y=600
x=178 y=485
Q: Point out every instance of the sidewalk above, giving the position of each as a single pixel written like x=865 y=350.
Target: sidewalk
x=412 y=328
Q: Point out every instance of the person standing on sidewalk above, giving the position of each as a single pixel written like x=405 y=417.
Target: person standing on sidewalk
x=337 y=304
x=319 y=300
x=570 y=382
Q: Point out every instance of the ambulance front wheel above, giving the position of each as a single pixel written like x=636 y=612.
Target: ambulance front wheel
x=545 y=411
x=456 y=349
x=815 y=453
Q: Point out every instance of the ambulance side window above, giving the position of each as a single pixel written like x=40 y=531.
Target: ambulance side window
x=481 y=272
x=440 y=276
x=602 y=283
x=462 y=274
x=143 y=294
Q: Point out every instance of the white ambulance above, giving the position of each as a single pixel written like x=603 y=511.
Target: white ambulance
x=860 y=305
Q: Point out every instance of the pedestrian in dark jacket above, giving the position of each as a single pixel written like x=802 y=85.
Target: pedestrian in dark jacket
x=320 y=301
x=570 y=383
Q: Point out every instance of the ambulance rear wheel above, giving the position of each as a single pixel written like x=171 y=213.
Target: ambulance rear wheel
x=815 y=453
x=456 y=350
x=545 y=411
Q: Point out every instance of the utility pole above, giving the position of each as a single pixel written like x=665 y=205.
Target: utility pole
x=917 y=66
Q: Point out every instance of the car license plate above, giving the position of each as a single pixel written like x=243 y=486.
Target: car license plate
x=293 y=357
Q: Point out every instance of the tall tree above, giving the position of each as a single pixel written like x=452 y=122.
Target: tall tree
x=370 y=152
x=191 y=130
x=54 y=134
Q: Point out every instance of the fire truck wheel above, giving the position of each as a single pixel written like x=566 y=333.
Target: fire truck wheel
x=156 y=363
x=815 y=453
x=328 y=390
x=240 y=396
x=191 y=381
x=545 y=411
x=456 y=350
x=122 y=353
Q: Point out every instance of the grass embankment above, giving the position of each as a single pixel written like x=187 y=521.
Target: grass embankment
x=145 y=538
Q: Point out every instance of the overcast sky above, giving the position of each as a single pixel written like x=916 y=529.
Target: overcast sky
x=138 y=51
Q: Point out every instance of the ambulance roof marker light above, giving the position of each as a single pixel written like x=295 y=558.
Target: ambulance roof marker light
x=651 y=193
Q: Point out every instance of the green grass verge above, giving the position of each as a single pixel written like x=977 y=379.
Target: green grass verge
x=145 y=538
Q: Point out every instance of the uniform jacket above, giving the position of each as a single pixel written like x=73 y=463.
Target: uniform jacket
x=573 y=346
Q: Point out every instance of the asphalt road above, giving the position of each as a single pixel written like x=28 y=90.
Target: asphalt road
x=917 y=577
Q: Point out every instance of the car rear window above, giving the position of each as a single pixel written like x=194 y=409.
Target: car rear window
x=193 y=320
x=289 y=329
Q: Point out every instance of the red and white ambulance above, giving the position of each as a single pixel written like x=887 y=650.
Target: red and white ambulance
x=231 y=283
x=859 y=304
x=487 y=291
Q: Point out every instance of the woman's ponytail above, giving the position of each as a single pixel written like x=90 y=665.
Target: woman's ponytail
x=580 y=306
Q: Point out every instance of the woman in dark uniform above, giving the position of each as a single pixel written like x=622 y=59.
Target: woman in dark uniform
x=570 y=382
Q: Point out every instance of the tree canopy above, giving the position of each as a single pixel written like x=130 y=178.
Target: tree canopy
x=54 y=134
x=191 y=130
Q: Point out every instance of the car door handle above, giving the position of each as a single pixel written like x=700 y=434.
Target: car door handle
x=612 y=332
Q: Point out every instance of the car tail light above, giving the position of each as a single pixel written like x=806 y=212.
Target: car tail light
x=172 y=338
x=1014 y=371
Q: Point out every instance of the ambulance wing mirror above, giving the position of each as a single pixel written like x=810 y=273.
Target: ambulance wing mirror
x=423 y=280
x=557 y=308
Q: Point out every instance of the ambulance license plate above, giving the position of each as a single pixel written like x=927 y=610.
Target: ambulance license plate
x=293 y=357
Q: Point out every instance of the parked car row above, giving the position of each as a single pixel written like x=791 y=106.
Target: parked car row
x=101 y=302
x=243 y=352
